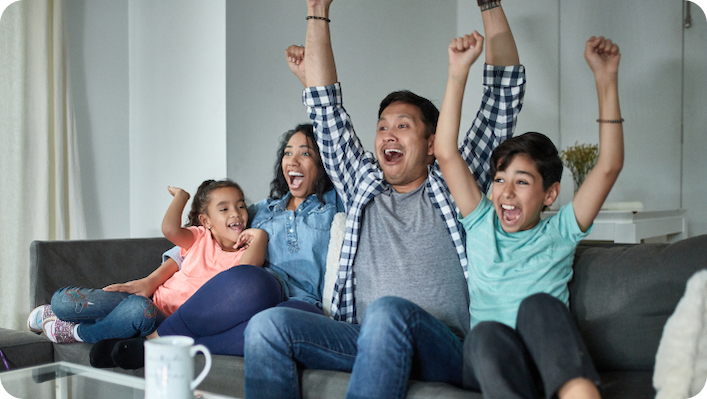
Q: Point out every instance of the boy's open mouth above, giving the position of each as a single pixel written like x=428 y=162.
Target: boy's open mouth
x=392 y=155
x=296 y=179
x=510 y=214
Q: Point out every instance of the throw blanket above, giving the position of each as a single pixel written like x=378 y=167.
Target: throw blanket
x=681 y=361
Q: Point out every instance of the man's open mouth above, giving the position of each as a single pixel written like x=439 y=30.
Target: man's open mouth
x=392 y=154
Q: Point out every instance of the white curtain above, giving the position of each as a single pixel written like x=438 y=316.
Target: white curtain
x=40 y=191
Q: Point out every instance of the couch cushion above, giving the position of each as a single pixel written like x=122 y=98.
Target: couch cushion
x=24 y=349
x=622 y=295
x=90 y=263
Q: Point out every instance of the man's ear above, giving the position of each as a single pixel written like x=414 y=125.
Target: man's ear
x=431 y=145
x=551 y=194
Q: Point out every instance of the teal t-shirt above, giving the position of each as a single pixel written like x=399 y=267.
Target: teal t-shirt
x=505 y=268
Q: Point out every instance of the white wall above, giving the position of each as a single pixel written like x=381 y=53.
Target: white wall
x=694 y=165
x=210 y=78
x=98 y=54
x=177 y=103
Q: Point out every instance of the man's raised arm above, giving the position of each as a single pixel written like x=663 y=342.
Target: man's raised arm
x=319 y=57
x=500 y=46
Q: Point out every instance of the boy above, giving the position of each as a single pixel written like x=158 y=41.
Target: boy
x=523 y=341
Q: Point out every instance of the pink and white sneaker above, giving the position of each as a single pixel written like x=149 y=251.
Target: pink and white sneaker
x=59 y=331
x=37 y=316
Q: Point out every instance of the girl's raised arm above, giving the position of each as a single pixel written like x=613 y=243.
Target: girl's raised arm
x=172 y=222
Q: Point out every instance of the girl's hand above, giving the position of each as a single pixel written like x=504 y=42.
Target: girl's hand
x=138 y=287
x=244 y=239
x=602 y=57
x=295 y=60
x=463 y=52
x=175 y=191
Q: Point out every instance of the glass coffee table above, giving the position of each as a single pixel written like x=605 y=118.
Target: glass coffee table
x=64 y=380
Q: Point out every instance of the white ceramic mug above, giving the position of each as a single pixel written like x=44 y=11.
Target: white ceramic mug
x=169 y=367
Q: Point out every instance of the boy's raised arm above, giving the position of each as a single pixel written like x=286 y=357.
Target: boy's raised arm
x=321 y=70
x=603 y=58
x=463 y=51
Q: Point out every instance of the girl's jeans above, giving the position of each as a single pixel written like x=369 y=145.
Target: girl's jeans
x=103 y=315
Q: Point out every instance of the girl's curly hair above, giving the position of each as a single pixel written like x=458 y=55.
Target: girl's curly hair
x=202 y=198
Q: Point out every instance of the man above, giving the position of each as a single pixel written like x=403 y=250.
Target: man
x=403 y=262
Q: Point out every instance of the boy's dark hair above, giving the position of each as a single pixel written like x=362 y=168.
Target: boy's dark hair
x=201 y=198
x=428 y=112
x=279 y=187
x=535 y=145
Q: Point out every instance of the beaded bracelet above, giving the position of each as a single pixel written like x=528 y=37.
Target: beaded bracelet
x=610 y=120
x=316 y=17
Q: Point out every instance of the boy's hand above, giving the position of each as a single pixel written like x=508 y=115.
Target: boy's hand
x=295 y=60
x=463 y=51
x=176 y=191
x=602 y=57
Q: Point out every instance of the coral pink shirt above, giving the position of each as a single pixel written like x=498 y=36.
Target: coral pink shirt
x=203 y=260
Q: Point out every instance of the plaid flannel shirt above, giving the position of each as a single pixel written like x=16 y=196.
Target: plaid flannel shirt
x=358 y=178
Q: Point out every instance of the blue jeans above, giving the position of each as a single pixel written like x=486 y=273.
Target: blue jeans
x=397 y=341
x=103 y=315
x=536 y=359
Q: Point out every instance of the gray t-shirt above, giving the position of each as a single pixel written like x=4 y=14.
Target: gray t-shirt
x=405 y=250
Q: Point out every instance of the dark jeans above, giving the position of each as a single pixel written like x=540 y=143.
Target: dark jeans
x=217 y=314
x=536 y=359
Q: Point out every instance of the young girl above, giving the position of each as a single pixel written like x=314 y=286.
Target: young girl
x=214 y=240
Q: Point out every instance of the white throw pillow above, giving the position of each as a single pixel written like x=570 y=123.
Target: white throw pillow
x=336 y=239
x=681 y=360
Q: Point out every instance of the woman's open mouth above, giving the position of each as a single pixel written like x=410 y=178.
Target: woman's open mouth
x=295 y=179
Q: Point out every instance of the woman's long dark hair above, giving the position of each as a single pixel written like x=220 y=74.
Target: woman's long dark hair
x=279 y=187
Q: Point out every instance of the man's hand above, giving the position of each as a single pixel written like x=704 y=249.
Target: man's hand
x=603 y=58
x=319 y=3
x=463 y=52
x=295 y=60
x=138 y=287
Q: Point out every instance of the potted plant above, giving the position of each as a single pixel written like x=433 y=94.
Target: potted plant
x=580 y=159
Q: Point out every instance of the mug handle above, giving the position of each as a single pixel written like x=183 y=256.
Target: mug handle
x=207 y=366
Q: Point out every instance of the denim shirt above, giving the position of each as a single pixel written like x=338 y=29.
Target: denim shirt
x=298 y=242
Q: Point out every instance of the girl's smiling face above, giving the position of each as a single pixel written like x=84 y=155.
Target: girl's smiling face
x=226 y=216
x=518 y=194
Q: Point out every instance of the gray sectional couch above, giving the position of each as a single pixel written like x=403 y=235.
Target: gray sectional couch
x=621 y=296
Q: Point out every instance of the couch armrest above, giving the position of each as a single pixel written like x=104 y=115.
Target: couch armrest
x=90 y=263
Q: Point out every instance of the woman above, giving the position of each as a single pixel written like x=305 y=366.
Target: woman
x=297 y=217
